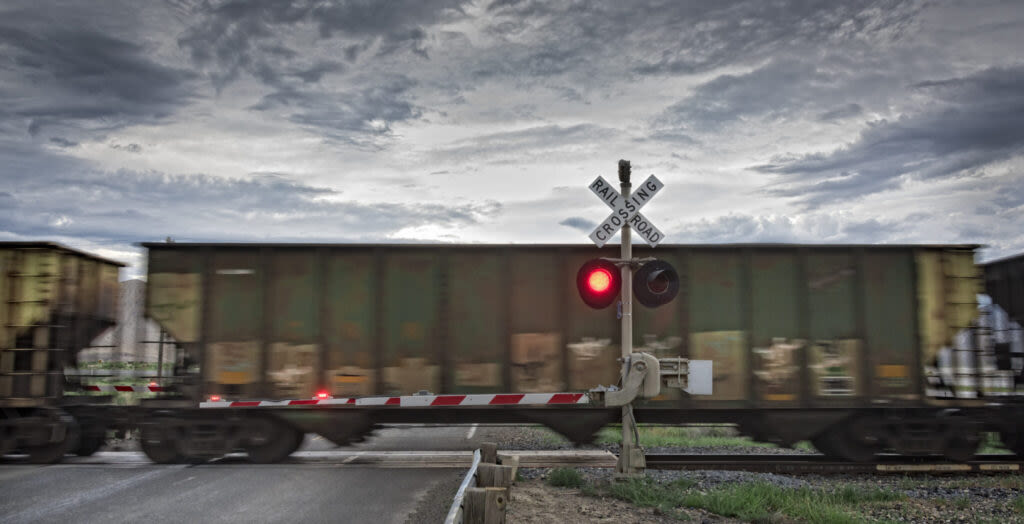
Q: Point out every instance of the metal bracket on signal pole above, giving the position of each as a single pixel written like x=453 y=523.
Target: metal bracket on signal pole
x=633 y=263
x=641 y=381
x=647 y=374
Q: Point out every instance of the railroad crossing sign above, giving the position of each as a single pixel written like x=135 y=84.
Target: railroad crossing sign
x=626 y=211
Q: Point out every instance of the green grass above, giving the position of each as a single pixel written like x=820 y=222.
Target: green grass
x=566 y=478
x=689 y=436
x=755 y=501
x=1018 y=505
x=991 y=445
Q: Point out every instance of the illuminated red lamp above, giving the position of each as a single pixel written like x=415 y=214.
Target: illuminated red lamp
x=214 y=398
x=598 y=282
x=322 y=395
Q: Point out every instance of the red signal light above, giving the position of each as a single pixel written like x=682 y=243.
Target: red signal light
x=322 y=395
x=214 y=398
x=598 y=282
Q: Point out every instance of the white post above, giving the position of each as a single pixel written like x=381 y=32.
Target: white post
x=631 y=462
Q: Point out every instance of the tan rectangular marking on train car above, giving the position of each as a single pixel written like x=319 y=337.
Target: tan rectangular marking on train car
x=922 y=467
x=999 y=467
x=891 y=371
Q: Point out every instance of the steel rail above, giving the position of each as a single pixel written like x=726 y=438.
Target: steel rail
x=822 y=464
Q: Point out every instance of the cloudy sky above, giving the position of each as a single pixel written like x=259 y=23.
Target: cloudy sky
x=484 y=121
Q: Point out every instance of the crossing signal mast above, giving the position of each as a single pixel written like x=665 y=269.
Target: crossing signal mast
x=601 y=281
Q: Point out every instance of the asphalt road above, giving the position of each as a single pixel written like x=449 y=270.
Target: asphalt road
x=124 y=487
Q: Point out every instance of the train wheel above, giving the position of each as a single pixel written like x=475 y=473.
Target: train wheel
x=1013 y=440
x=158 y=443
x=161 y=452
x=298 y=442
x=47 y=453
x=274 y=443
x=52 y=452
x=89 y=444
x=823 y=444
x=91 y=439
x=961 y=446
x=853 y=441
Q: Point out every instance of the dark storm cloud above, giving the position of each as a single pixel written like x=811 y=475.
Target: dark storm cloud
x=781 y=228
x=233 y=36
x=62 y=142
x=356 y=115
x=533 y=140
x=973 y=121
x=579 y=223
x=772 y=90
x=252 y=37
x=130 y=148
x=59 y=74
x=672 y=38
x=841 y=113
x=130 y=206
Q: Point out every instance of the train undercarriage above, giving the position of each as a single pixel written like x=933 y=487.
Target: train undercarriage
x=174 y=431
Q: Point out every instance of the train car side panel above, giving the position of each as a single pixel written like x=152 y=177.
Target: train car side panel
x=349 y=322
x=475 y=324
x=890 y=322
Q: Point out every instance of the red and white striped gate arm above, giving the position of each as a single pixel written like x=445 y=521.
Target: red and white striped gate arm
x=136 y=389
x=501 y=399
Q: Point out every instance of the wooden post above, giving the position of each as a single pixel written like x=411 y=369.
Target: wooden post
x=488 y=453
x=485 y=505
x=493 y=475
x=512 y=462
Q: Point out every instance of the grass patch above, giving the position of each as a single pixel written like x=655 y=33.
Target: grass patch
x=755 y=501
x=566 y=478
x=1018 y=505
x=992 y=445
x=712 y=436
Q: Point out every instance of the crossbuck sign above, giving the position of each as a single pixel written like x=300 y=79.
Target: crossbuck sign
x=626 y=211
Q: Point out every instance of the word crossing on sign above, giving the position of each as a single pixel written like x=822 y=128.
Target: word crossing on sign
x=626 y=211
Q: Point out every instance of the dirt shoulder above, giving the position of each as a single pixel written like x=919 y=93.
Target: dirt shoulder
x=533 y=502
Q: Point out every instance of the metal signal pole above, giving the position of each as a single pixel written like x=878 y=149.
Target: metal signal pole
x=631 y=459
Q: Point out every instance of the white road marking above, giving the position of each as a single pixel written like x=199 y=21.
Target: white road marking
x=472 y=431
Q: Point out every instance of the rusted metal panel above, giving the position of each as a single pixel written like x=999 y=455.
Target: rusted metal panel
x=717 y=330
x=474 y=325
x=889 y=289
x=53 y=302
x=174 y=291
x=835 y=350
x=536 y=345
x=411 y=361
x=294 y=317
x=293 y=366
x=235 y=319
x=349 y=322
x=776 y=341
x=1004 y=282
x=398 y=314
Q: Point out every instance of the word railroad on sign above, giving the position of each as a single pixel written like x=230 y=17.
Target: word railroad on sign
x=626 y=211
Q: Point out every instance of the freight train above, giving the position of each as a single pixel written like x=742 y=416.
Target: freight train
x=859 y=349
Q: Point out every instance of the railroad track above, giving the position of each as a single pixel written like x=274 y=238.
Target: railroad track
x=825 y=465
